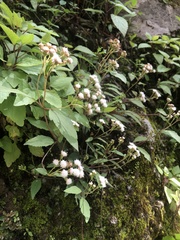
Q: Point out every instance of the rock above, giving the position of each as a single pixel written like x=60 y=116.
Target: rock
x=155 y=18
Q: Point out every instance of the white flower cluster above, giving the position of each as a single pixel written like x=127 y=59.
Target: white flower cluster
x=172 y=111
x=117 y=124
x=142 y=96
x=69 y=169
x=92 y=95
x=155 y=94
x=148 y=68
x=102 y=180
x=52 y=52
x=112 y=64
x=115 y=44
x=133 y=151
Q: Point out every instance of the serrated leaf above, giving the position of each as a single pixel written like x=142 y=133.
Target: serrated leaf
x=35 y=187
x=12 y=156
x=64 y=124
x=73 y=190
x=13 y=37
x=83 y=49
x=26 y=38
x=40 y=141
x=42 y=171
x=85 y=209
x=172 y=134
x=16 y=114
x=145 y=153
x=52 y=98
x=120 y=23
x=30 y=65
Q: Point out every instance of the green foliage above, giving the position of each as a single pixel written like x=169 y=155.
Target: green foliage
x=74 y=112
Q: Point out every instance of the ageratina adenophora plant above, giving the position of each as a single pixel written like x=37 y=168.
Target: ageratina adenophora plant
x=79 y=104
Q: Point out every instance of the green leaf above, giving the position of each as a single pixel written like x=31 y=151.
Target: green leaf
x=73 y=190
x=14 y=38
x=85 y=208
x=168 y=238
x=172 y=134
x=30 y=65
x=35 y=187
x=65 y=126
x=16 y=114
x=165 y=88
x=52 y=98
x=38 y=123
x=82 y=119
x=42 y=171
x=174 y=182
x=83 y=49
x=144 y=45
x=161 y=69
x=40 y=141
x=137 y=102
x=25 y=97
x=120 y=23
x=145 y=153
x=26 y=38
x=140 y=139
x=119 y=75
x=12 y=152
x=168 y=193
x=159 y=58
x=36 y=151
x=34 y=4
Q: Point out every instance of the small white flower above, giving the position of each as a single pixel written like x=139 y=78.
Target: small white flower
x=103 y=181
x=94 y=97
x=65 y=51
x=81 y=95
x=56 y=162
x=81 y=174
x=132 y=146
x=68 y=181
x=63 y=164
x=94 y=78
x=75 y=123
x=156 y=94
x=90 y=183
x=98 y=109
x=64 y=173
x=56 y=59
x=77 y=162
x=142 y=96
x=96 y=105
x=87 y=92
x=102 y=121
x=63 y=154
x=69 y=60
x=89 y=106
x=77 y=86
x=97 y=86
x=89 y=112
x=76 y=172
